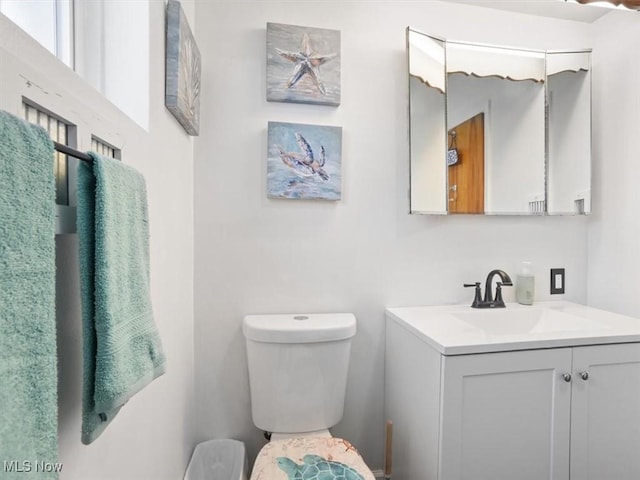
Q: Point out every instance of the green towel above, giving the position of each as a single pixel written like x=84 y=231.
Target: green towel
x=28 y=362
x=122 y=350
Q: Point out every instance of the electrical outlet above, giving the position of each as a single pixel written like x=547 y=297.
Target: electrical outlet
x=557 y=281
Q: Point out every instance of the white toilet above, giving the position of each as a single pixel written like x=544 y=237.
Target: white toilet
x=298 y=376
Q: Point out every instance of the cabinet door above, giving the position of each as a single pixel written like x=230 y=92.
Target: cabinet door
x=506 y=416
x=605 y=413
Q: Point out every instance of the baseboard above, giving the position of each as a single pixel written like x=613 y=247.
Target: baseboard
x=378 y=473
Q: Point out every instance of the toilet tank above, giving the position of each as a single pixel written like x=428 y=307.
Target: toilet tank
x=298 y=368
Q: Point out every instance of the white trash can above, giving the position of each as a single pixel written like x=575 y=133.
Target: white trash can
x=219 y=459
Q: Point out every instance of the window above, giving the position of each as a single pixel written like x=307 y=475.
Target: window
x=65 y=167
x=50 y=22
x=105 y=42
x=105 y=149
x=60 y=131
x=112 y=53
x=537 y=204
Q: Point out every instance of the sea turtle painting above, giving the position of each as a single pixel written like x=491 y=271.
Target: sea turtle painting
x=314 y=467
x=304 y=161
x=304 y=164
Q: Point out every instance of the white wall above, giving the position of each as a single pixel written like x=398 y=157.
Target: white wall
x=614 y=227
x=152 y=437
x=363 y=253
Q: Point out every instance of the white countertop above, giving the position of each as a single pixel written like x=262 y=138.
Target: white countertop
x=460 y=329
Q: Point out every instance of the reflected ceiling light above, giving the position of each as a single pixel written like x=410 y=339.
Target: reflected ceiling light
x=625 y=4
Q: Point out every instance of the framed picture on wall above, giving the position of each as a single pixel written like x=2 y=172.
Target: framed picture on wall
x=182 y=82
x=304 y=161
x=303 y=64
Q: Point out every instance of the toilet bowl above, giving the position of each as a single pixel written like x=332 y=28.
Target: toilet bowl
x=298 y=366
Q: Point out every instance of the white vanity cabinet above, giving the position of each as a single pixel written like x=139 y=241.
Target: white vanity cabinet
x=570 y=412
x=505 y=416
x=605 y=412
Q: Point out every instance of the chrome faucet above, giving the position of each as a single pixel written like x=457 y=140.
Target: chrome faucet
x=488 y=301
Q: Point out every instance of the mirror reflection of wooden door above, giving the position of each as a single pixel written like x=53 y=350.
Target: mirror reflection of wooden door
x=466 y=177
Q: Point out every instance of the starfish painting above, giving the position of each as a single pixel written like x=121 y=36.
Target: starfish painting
x=304 y=164
x=307 y=62
x=303 y=64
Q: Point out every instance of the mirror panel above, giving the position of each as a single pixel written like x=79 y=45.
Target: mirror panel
x=427 y=123
x=569 y=117
x=501 y=91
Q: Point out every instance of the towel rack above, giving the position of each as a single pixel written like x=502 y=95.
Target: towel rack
x=65 y=214
x=60 y=147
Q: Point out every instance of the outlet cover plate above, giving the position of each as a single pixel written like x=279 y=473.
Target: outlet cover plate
x=557 y=281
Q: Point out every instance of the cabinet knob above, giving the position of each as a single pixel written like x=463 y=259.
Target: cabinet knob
x=584 y=375
x=566 y=377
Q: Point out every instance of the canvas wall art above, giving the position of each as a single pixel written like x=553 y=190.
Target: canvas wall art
x=182 y=83
x=303 y=64
x=304 y=161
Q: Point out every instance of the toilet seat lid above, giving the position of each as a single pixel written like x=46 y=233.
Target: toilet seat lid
x=280 y=459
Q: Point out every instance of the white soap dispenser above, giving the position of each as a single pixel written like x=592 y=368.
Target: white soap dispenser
x=525 y=285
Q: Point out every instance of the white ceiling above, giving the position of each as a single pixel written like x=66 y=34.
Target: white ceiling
x=545 y=8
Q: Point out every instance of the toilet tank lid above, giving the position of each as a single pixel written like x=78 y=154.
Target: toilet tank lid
x=299 y=328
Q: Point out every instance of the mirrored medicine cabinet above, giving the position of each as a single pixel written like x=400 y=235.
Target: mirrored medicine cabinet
x=498 y=130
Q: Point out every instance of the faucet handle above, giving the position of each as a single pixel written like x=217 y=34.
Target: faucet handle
x=478 y=294
x=499 y=302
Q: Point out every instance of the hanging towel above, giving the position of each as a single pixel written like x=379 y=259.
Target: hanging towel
x=122 y=350
x=28 y=362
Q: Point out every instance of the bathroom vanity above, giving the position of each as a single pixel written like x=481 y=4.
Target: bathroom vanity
x=550 y=391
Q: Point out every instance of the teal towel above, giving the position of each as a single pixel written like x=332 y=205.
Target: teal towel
x=28 y=362
x=122 y=350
